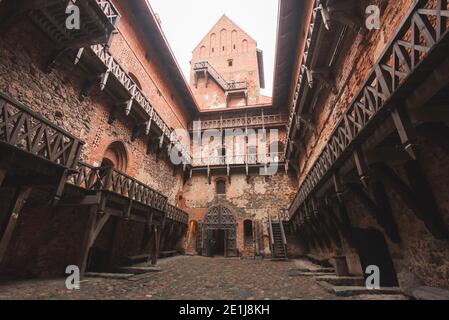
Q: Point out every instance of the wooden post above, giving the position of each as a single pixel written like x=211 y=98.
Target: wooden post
x=90 y=229
x=155 y=249
x=13 y=214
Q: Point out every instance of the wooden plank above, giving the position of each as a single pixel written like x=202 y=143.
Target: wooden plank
x=13 y=215
x=155 y=249
x=90 y=229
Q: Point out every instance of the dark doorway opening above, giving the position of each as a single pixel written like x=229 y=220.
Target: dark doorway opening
x=248 y=228
x=100 y=254
x=218 y=238
x=373 y=250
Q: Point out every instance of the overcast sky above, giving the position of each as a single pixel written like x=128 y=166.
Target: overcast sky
x=185 y=23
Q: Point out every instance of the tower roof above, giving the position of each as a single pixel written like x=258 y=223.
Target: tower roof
x=225 y=18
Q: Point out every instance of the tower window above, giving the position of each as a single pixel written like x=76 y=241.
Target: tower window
x=221 y=187
x=223 y=48
x=230 y=62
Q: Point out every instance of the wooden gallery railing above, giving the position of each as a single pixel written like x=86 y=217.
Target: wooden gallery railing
x=424 y=28
x=30 y=132
x=136 y=97
x=111 y=180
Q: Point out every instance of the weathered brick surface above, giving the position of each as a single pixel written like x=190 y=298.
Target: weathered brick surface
x=419 y=259
x=46 y=240
x=227 y=41
x=253 y=200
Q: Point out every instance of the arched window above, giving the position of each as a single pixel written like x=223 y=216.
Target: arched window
x=203 y=52
x=234 y=40
x=223 y=39
x=213 y=42
x=116 y=156
x=245 y=45
x=220 y=186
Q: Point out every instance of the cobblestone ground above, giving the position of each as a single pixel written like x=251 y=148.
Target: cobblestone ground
x=190 y=278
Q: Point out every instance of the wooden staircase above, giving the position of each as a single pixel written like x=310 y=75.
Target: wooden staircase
x=278 y=242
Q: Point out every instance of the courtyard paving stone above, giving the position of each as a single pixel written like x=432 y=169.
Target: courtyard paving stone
x=185 y=278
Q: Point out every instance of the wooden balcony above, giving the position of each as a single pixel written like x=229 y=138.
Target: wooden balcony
x=24 y=130
x=114 y=80
x=113 y=182
x=99 y=19
x=417 y=49
x=246 y=164
x=249 y=121
x=325 y=42
x=233 y=88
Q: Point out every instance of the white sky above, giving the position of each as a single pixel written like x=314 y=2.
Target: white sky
x=185 y=23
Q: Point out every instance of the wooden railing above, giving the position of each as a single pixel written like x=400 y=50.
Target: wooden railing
x=226 y=86
x=114 y=68
x=112 y=180
x=243 y=122
x=251 y=159
x=28 y=131
x=424 y=27
x=109 y=10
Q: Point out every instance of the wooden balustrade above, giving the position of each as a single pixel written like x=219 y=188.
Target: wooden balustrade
x=112 y=180
x=28 y=131
x=425 y=27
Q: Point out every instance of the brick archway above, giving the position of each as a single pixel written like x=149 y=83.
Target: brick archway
x=116 y=156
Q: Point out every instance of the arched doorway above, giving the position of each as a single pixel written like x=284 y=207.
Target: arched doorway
x=116 y=156
x=192 y=235
x=219 y=230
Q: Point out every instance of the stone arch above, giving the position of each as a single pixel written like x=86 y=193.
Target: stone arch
x=116 y=156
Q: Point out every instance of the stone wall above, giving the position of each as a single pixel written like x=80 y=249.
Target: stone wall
x=251 y=200
x=419 y=259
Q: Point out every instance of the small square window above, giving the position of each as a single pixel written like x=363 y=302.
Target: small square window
x=230 y=62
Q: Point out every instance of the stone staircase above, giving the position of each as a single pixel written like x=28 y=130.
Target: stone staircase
x=279 y=251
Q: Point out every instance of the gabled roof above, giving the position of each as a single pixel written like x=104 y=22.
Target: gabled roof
x=291 y=22
x=225 y=17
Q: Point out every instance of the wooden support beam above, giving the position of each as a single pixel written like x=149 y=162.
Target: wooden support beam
x=81 y=201
x=405 y=130
x=379 y=208
x=362 y=167
x=95 y=223
x=418 y=197
x=155 y=247
x=12 y=217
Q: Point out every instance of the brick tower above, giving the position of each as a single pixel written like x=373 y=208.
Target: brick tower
x=227 y=68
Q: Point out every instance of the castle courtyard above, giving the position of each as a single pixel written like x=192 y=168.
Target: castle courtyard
x=190 y=278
